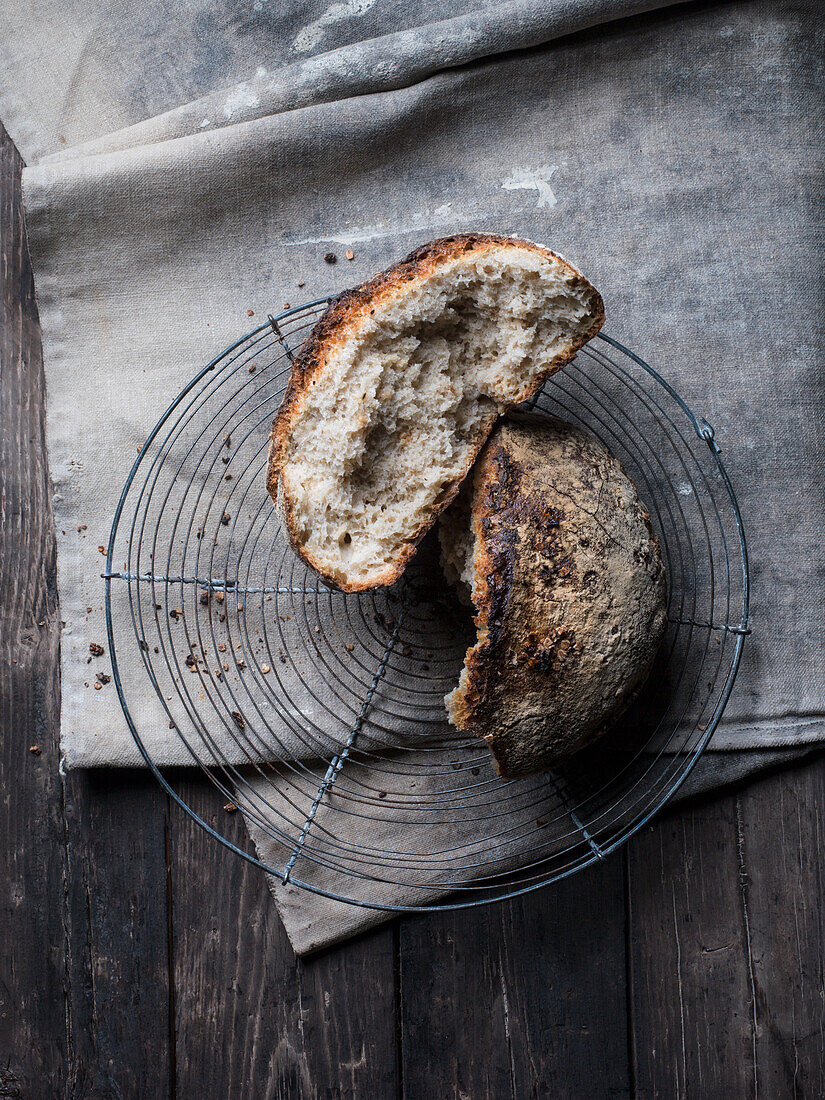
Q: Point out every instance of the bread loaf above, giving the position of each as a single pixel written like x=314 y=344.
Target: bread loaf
x=553 y=547
x=398 y=386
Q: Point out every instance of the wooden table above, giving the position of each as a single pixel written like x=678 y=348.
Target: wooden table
x=138 y=958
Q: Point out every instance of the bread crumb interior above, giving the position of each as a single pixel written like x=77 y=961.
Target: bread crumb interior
x=410 y=394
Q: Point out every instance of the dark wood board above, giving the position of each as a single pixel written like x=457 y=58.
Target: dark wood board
x=283 y=1027
x=726 y=903
x=140 y=959
x=32 y=958
x=523 y=999
x=116 y=936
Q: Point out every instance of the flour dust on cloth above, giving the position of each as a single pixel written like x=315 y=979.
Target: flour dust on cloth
x=691 y=203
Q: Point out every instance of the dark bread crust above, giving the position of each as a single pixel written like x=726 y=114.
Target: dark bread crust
x=332 y=331
x=569 y=589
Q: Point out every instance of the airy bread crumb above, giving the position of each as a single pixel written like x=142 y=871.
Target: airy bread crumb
x=399 y=386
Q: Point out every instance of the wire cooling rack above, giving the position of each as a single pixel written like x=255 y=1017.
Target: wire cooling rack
x=320 y=714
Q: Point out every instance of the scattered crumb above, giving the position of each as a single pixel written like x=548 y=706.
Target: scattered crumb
x=102 y=549
x=286 y=305
x=265 y=669
x=103 y=678
x=350 y=255
x=239 y=719
x=230 y=807
x=252 y=368
x=98 y=686
x=250 y=313
x=83 y=527
x=95 y=649
x=225 y=518
x=219 y=596
x=171 y=724
x=330 y=257
x=35 y=750
x=382 y=794
x=302 y=283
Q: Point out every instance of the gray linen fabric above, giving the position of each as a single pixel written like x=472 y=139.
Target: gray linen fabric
x=674 y=156
x=74 y=71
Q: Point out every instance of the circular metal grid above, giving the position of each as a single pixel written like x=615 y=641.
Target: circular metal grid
x=320 y=714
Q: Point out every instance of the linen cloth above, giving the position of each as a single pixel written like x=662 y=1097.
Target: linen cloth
x=675 y=157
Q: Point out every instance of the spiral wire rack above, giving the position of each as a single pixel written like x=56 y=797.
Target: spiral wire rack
x=321 y=714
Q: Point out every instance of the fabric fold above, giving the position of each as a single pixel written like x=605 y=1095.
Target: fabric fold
x=375 y=65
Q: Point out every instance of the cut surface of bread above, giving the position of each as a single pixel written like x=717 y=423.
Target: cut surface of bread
x=556 y=553
x=398 y=386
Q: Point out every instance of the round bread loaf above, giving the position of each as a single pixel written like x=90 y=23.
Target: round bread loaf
x=398 y=386
x=556 y=552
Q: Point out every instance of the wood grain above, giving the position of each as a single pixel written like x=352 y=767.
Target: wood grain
x=117 y=991
x=692 y=1022
x=728 y=944
x=522 y=999
x=251 y=1018
x=33 y=1042
x=780 y=827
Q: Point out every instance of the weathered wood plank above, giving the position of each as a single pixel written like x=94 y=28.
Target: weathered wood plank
x=33 y=1054
x=691 y=1005
x=523 y=999
x=117 y=935
x=780 y=825
x=252 y=1019
x=728 y=943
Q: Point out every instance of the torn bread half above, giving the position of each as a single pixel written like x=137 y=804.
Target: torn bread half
x=398 y=386
x=552 y=546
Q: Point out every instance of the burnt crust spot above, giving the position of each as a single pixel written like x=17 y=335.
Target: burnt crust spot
x=546 y=552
